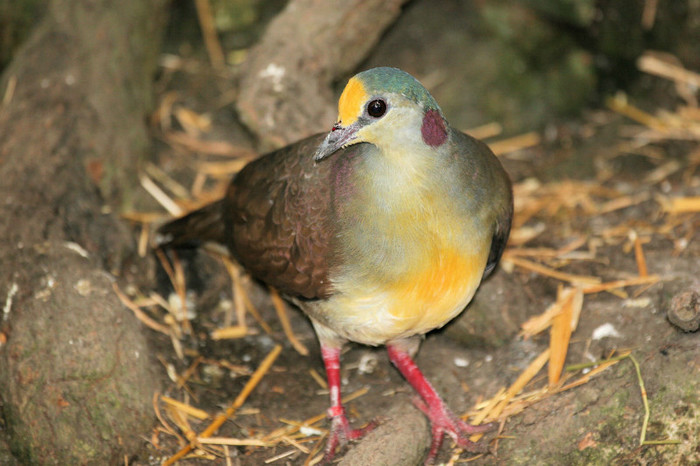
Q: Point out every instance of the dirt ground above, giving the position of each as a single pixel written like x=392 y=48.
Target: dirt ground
x=598 y=422
x=599 y=182
x=598 y=201
x=581 y=167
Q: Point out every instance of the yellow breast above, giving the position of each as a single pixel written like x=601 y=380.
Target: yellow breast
x=433 y=293
x=411 y=260
x=427 y=295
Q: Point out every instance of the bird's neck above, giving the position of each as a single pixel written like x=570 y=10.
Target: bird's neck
x=391 y=203
x=395 y=181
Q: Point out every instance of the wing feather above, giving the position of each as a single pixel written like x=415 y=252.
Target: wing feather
x=276 y=212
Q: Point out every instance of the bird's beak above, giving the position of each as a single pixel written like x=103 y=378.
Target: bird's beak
x=339 y=137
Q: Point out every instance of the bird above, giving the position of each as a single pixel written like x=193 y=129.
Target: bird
x=379 y=230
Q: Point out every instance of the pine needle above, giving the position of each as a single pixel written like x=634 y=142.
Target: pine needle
x=286 y=325
x=237 y=403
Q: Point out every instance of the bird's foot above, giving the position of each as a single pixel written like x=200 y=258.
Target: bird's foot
x=444 y=421
x=341 y=432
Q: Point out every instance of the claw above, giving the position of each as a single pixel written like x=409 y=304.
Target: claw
x=443 y=421
x=341 y=432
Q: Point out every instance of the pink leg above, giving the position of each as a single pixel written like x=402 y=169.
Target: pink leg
x=340 y=431
x=443 y=421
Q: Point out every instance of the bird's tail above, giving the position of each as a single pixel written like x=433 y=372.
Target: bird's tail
x=197 y=227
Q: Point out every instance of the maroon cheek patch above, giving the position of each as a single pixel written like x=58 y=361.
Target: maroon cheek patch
x=433 y=129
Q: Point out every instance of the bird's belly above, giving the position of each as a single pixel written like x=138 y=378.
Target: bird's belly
x=425 y=297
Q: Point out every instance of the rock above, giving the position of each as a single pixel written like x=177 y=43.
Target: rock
x=684 y=311
x=400 y=440
x=76 y=375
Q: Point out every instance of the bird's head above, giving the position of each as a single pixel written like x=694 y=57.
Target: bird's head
x=385 y=107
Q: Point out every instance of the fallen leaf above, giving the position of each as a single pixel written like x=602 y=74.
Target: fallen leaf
x=587 y=442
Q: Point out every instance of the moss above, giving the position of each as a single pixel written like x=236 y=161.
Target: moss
x=19 y=445
x=16 y=21
x=543 y=70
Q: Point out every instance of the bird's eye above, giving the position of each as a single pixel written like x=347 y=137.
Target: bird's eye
x=376 y=108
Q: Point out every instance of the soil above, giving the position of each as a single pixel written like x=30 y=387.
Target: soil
x=479 y=353
x=596 y=423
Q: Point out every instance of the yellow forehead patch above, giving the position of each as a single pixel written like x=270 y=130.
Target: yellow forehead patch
x=351 y=101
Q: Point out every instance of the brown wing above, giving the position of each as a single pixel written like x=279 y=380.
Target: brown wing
x=276 y=212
